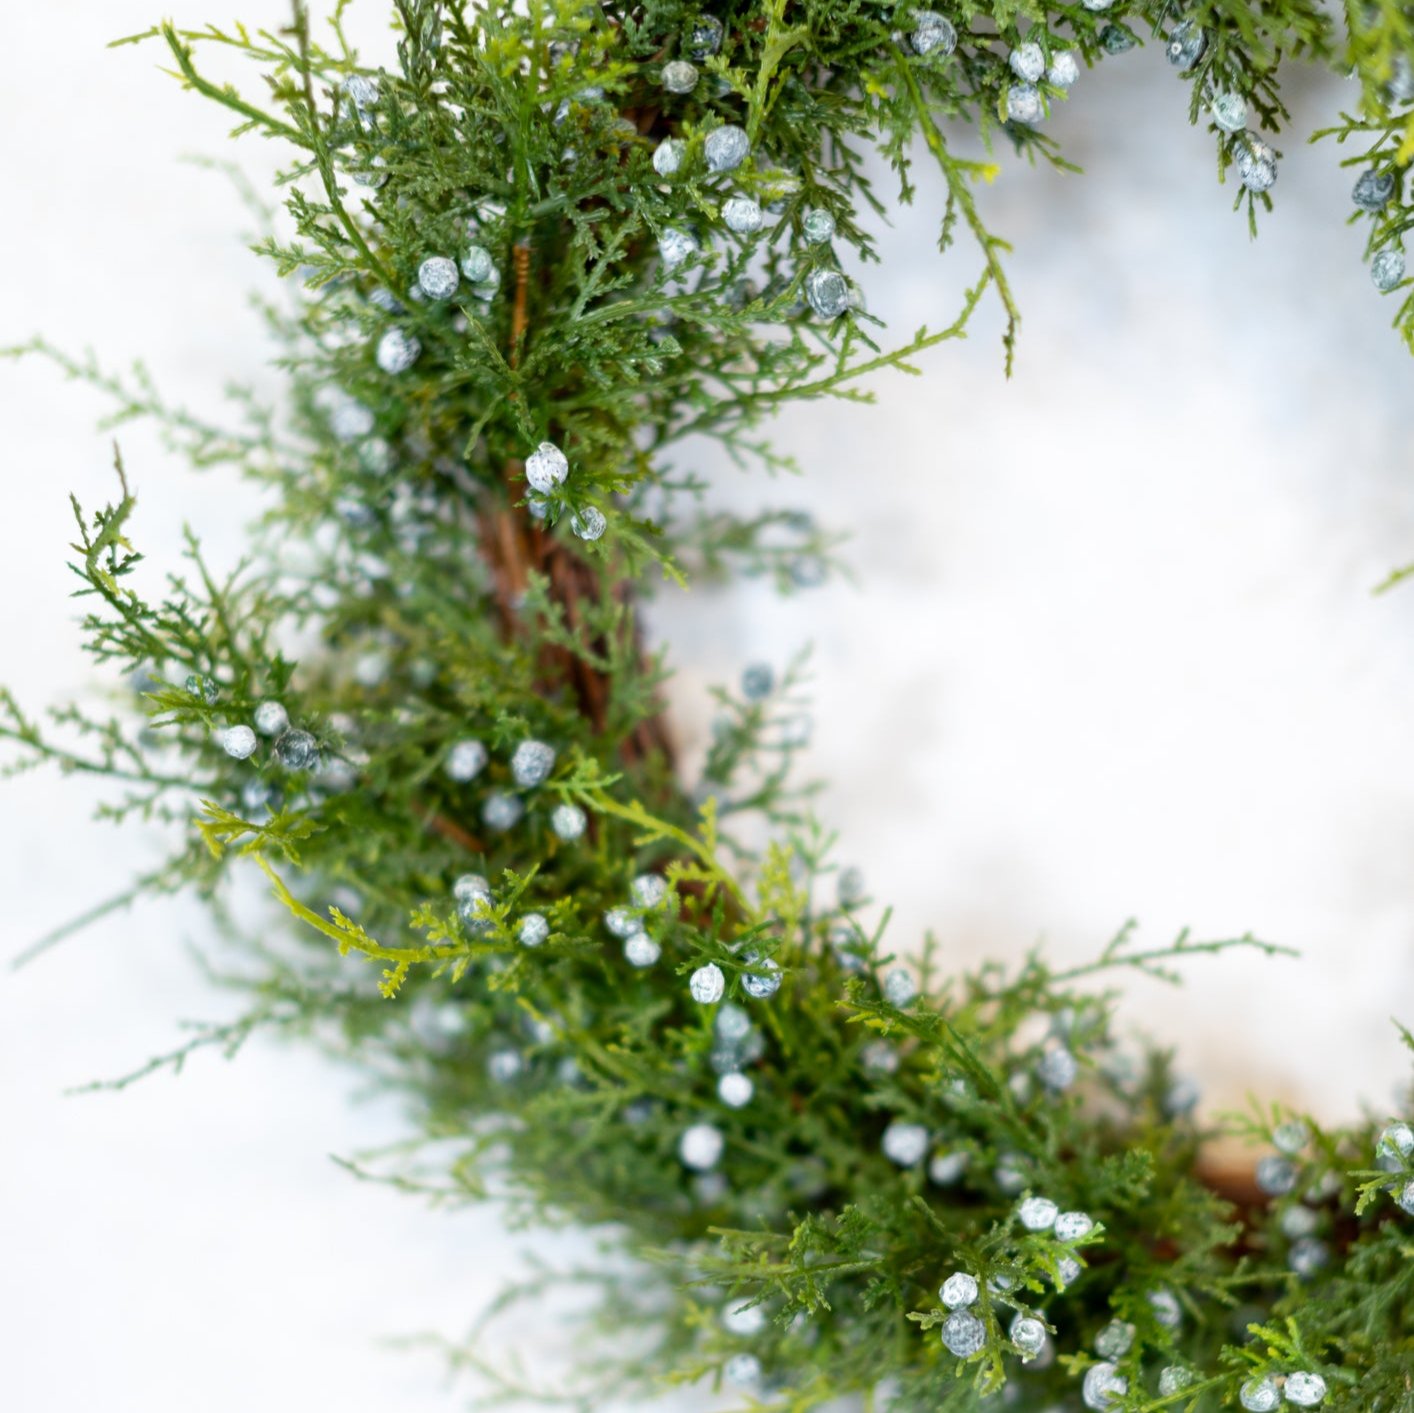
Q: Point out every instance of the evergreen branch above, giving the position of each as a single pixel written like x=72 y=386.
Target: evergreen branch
x=228 y=1038
x=225 y=95
x=1149 y=962
x=957 y=173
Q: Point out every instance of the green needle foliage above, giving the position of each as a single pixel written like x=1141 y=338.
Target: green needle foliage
x=805 y=1155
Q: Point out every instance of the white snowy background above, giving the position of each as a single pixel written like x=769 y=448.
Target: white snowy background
x=1112 y=650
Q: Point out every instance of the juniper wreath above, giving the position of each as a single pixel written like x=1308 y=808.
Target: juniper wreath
x=531 y=258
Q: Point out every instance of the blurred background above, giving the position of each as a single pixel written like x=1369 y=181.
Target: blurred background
x=1110 y=651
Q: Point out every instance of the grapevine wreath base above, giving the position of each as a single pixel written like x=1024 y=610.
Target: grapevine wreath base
x=533 y=256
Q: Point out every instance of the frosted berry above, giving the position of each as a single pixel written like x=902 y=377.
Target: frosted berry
x=533 y=930
x=397 y=351
x=1064 y=69
x=204 y=687
x=1023 y=103
x=679 y=76
x=732 y=1023
x=757 y=682
x=350 y=420
x=297 y=750
x=1290 y=1137
x=1276 y=1175
x=648 y=890
x=1167 y=1311
x=1387 y=269
x=500 y=811
x=963 y=1334
x=486 y=289
x=1071 y=1226
x=707 y=984
x=1057 y=1068
x=726 y=148
x=478 y=265
x=374 y=175
x=1115 y=1340
x=932 y=34
x=622 y=922
x=1027 y=62
x=849 y=948
x=532 y=763
x=958 y=1291
x=1114 y=39
x=851 y=888
x=1256 y=163
x=362 y=91
x=709 y=1188
x=1305 y=1390
x=1308 y=1256
x=1009 y=1175
x=437 y=277
x=900 y=987
x=472 y=894
x=742 y=215
x=1068 y=1271
x=1186 y=43
x=504 y=1065
x=742 y=1370
x=1298 y=1221
x=271 y=718
x=238 y=742
x=640 y=950
x=1174 y=1379
x=817 y=226
x=905 y=1143
x=704 y=37
x=1259 y=1395
x=1373 y=190
x=546 y=468
x=568 y=821
x=668 y=155
x=1229 y=111
x=465 y=760
x=763 y=983
x=1406 y=1197
x=589 y=523
x=1396 y=1141
x=827 y=292
x=700 y=1147
x=1037 y=1213
x=1102 y=1385
x=735 y=1089
x=676 y=246
x=1181 y=1098
x=471 y=885
x=1028 y=1335
x=727 y=1055
x=946 y=1168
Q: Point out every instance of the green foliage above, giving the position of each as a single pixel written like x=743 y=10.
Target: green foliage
x=408 y=593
